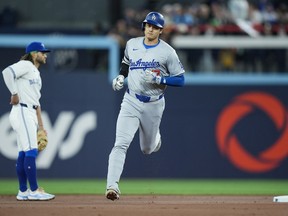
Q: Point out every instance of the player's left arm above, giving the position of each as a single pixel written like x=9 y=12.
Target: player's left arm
x=175 y=75
x=39 y=118
x=152 y=77
x=176 y=71
x=173 y=80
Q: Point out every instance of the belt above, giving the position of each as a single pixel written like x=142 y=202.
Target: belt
x=143 y=98
x=25 y=105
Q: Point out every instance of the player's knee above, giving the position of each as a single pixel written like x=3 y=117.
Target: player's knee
x=147 y=150
x=119 y=149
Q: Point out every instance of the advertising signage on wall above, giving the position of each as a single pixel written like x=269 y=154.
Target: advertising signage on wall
x=244 y=106
x=222 y=131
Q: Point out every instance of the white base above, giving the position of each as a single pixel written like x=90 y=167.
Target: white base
x=280 y=199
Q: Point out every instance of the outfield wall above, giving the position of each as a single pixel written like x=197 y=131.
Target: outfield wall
x=209 y=130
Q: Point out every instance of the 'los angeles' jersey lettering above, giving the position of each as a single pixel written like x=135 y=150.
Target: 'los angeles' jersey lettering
x=139 y=64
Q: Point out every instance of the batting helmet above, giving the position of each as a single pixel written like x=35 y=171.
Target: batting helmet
x=154 y=18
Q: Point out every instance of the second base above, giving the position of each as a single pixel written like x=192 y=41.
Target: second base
x=280 y=199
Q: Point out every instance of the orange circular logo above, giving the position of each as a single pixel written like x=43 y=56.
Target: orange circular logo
x=229 y=144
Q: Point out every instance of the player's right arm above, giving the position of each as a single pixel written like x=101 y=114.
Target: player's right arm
x=13 y=72
x=10 y=80
x=118 y=82
x=124 y=69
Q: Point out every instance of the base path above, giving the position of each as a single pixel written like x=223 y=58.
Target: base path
x=158 y=205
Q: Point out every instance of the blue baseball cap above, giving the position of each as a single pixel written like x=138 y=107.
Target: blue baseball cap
x=36 y=46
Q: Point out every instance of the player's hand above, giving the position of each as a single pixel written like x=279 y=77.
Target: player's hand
x=151 y=77
x=118 y=83
x=14 y=99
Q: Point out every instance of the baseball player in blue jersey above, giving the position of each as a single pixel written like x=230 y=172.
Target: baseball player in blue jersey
x=150 y=65
x=24 y=83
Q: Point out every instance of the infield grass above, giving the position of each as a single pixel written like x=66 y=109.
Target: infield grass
x=157 y=186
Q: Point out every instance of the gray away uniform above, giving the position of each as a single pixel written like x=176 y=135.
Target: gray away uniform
x=143 y=103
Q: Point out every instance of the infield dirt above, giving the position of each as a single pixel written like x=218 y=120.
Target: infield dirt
x=96 y=205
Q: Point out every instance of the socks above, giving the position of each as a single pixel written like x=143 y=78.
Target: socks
x=30 y=168
x=21 y=174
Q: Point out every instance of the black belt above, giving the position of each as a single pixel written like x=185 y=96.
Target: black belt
x=144 y=98
x=25 y=105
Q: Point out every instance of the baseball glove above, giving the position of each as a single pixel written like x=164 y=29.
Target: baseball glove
x=42 y=140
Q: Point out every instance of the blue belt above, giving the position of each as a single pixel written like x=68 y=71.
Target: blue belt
x=25 y=105
x=143 y=98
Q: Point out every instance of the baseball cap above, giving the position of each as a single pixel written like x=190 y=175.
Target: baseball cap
x=36 y=46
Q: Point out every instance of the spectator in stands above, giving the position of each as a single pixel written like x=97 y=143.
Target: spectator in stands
x=254 y=15
x=203 y=14
x=282 y=12
x=269 y=14
x=220 y=14
x=182 y=18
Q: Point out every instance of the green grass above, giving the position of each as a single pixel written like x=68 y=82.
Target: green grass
x=157 y=186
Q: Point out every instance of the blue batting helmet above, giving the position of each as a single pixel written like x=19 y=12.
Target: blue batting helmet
x=154 y=18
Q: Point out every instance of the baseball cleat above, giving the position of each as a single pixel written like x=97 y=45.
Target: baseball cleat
x=112 y=194
x=40 y=195
x=22 y=195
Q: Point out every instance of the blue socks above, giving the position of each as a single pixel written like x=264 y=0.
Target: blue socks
x=30 y=168
x=26 y=169
x=22 y=178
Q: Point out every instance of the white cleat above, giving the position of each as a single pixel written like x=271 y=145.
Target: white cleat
x=112 y=194
x=21 y=196
x=40 y=195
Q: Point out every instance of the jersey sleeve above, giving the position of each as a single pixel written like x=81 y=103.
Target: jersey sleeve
x=13 y=72
x=125 y=58
x=9 y=79
x=21 y=68
x=174 y=65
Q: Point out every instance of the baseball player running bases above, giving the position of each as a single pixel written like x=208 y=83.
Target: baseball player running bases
x=24 y=83
x=150 y=65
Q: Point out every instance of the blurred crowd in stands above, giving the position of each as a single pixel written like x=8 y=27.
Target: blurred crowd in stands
x=218 y=17
x=204 y=17
x=9 y=17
